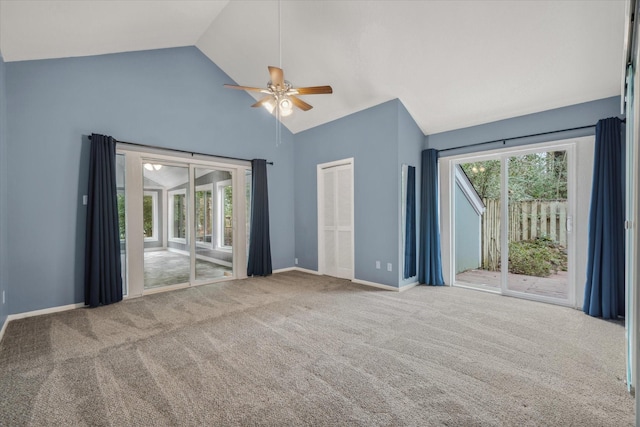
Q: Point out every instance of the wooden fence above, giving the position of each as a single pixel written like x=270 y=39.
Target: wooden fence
x=527 y=220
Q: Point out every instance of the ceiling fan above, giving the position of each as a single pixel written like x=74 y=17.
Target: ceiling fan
x=281 y=95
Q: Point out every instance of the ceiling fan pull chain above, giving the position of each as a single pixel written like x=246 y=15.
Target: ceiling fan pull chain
x=279 y=33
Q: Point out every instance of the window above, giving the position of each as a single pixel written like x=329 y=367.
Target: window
x=150 y=216
x=204 y=215
x=121 y=210
x=247 y=179
x=225 y=215
x=178 y=216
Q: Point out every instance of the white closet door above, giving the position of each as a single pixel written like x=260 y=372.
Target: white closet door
x=329 y=215
x=336 y=217
x=344 y=226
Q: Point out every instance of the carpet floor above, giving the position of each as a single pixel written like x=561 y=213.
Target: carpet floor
x=295 y=349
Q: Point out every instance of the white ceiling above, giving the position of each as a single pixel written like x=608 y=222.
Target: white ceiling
x=453 y=64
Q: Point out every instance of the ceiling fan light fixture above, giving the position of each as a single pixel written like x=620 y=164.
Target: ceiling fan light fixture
x=269 y=105
x=285 y=106
x=281 y=95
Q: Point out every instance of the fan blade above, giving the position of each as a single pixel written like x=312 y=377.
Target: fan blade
x=251 y=89
x=314 y=90
x=263 y=101
x=300 y=103
x=277 y=76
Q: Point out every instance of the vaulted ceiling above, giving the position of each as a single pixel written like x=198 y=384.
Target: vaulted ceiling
x=453 y=64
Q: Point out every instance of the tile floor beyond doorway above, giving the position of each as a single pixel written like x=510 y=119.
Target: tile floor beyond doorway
x=162 y=268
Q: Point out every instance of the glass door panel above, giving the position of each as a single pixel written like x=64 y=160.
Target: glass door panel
x=248 y=176
x=478 y=224
x=122 y=220
x=167 y=259
x=537 y=228
x=213 y=204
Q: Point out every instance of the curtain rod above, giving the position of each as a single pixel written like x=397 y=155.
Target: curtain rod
x=504 y=140
x=180 y=151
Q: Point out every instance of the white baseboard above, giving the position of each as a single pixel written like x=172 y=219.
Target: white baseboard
x=302 y=270
x=358 y=281
x=409 y=286
x=44 y=311
x=38 y=313
x=284 y=270
x=376 y=285
x=4 y=328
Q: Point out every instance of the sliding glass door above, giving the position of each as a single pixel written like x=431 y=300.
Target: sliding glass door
x=213 y=195
x=122 y=222
x=512 y=223
x=477 y=223
x=180 y=220
x=539 y=224
x=165 y=205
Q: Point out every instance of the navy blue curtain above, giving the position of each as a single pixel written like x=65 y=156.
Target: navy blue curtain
x=102 y=276
x=604 y=290
x=259 y=241
x=410 y=225
x=430 y=265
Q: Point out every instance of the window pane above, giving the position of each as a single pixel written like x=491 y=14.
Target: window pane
x=201 y=223
x=247 y=195
x=122 y=223
x=228 y=216
x=167 y=258
x=147 y=213
x=179 y=216
x=213 y=202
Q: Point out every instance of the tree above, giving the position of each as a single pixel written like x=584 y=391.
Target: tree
x=485 y=177
x=147 y=215
x=537 y=176
x=121 y=223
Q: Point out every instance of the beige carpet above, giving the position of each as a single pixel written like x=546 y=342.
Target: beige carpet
x=295 y=349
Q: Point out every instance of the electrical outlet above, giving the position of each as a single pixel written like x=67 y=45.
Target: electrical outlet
x=378 y=265
x=389 y=266
x=295 y=260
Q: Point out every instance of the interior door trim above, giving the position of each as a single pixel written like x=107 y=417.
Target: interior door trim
x=320 y=193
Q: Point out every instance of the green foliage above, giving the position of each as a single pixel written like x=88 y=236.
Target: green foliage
x=147 y=215
x=485 y=177
x=537 y=176
x=228 y=201
x=539 y=257
x=179 y=216
x=121 y=222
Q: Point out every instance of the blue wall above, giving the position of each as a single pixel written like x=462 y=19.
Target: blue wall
x=4 y=282
x=585 y=114
x=172 y=98
x=380 y=139
x=410 y=142
x=370 y=137
x=467 y=229
x=572 y=116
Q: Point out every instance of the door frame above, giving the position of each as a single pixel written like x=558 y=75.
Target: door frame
x=580 y=152
x=571 y=211
x=134 y=158
x=320 y=194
